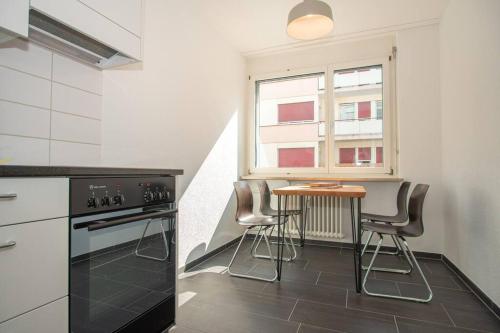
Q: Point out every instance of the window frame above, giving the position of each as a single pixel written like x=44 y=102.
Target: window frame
x=253 y=121
x=329 y=168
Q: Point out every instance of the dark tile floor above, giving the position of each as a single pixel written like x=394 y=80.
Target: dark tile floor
x=316 y=295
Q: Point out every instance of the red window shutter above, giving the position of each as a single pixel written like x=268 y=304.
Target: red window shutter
x=380 y=155
x=296 y=157
x=364 y=154
x=364 y=110
x=295 y=112
x=346 y=155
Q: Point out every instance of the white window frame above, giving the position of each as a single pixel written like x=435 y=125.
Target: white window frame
x=387 y=131
x=330 y=158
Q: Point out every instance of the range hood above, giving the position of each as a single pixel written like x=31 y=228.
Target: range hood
x=60 y=37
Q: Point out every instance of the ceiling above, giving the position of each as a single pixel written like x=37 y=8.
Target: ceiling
x=255 y=25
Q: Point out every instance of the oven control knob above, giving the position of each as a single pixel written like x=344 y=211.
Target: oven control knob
x=105 y=201
x=92 y=202
x=118 y=199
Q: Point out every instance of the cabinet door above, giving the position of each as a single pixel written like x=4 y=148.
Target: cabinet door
x=34 y=265
x=14 y=16
x=126 y=13
x=52 y=318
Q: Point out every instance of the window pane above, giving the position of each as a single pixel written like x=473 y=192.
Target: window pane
x=290 y=129
x=358 y=140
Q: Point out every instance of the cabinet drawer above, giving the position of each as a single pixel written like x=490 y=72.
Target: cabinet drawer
x=34 y=271
x=51 y=318
x=32 y=199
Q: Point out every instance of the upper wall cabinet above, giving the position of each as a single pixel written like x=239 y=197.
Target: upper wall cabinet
x=14 y=17
x=104 y=33
x=125 y=13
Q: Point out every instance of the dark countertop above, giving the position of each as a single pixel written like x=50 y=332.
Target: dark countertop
x=75 y=171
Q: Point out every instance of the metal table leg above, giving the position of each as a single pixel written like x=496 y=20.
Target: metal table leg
x=356 y=241
x=304 y=206
x=281 y=234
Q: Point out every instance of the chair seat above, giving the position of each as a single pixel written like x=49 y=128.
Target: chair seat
x=274 y=212
x=389 y=229
x=382 y=218
x=253 y=220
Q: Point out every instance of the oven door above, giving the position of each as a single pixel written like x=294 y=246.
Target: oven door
x=122 y=271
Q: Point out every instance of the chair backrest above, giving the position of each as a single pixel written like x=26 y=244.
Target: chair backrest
x=265 y=196
x=415 y=226
x=402 y=200
x=244 y=199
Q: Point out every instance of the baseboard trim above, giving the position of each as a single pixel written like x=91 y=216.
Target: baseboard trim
x=473 y=287
x=210 y=254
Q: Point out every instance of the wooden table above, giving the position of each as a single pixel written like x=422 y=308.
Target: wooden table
x=343 y=191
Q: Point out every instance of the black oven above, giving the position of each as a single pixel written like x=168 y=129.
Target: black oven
x=122 y=258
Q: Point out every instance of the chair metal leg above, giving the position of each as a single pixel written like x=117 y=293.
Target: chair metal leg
x=390 y=270
x=247 y=276
x=165 y=242
x=293 y=254
x=407 y=248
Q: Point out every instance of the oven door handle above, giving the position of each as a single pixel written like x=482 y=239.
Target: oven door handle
x=107 y=223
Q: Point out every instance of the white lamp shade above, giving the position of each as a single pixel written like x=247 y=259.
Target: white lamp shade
x=310 y=19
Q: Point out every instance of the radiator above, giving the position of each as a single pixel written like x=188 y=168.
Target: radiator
x=324 y=216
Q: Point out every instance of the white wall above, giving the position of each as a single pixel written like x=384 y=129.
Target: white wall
x=470 y=71
x=418 y=111
x=50 y=107
x=181 y=108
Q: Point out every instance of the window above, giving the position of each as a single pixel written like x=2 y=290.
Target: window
x=363 y=86
x=290 y=116
x=332 y=120
x=301 y=111
x=379 y=109
x=296 y=157
x=364 y=154
x=347 y=155
x=364 y=110
x=347 y=111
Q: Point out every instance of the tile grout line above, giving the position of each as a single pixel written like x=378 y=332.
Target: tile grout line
x=447 y=314
x=317 y=280
x=76 y=115
x=294 y=306
x=396 y=323
x=51 y=78
x=25 y=104
x=346 y=297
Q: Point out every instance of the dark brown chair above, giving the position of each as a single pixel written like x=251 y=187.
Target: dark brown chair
x=414 y=228
x=400 y=217
x=267 y=210
x=246 y=218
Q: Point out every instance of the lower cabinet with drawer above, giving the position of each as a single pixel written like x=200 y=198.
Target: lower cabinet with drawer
x=34 y=269
x=50 y=318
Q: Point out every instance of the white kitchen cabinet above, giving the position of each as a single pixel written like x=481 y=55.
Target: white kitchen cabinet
x=14 y=17
x=34 y=266
x=52 y=318
x=125 y=13
x=116 y=26
x=32 y=199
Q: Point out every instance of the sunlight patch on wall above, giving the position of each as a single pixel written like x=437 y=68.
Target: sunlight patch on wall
x=203 y=203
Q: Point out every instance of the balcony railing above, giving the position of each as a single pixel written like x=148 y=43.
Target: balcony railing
x=358 y=127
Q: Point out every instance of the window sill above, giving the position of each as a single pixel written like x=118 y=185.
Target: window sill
x=337 y=178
